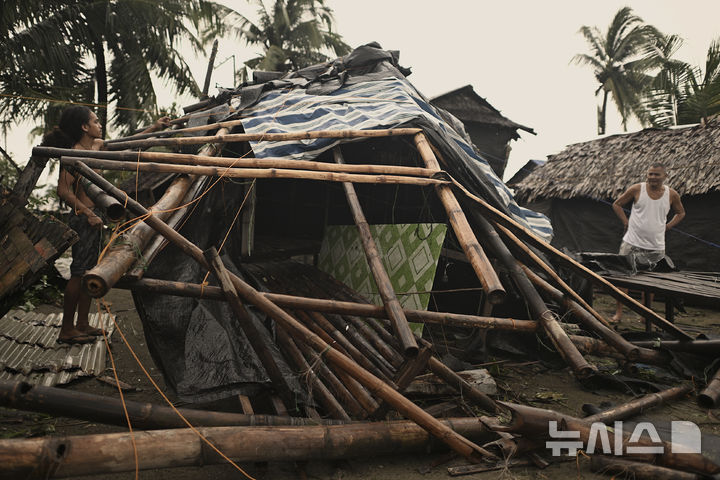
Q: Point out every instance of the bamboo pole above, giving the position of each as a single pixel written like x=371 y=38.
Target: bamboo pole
x=260 y=137
x=333 y=306
x=534 y=421
x=316 y=388
x=499 y=217
x=539 y=310
x=251 y=331
x=474 y=252
x=236 y=162
x=462 y=386
x=458 y=443
x=211 y=65
x=614 y=339
x=566 y=289
x=114 y=211
x=123 y=253
x=639 y=405
x=709 y=397
x=63 y=402
x=382 y=280
x=257 y=172
x=157 y=242
x=407 y=373
x=102 y=454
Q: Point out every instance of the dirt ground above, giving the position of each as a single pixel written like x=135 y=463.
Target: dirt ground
x=528 y=383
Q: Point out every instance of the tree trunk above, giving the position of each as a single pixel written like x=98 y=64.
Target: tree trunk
x=601 y=114
x=101 y=83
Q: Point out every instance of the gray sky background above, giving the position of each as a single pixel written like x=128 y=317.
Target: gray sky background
x=515 y=53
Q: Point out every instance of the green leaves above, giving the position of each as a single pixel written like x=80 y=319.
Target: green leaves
x=51 y=50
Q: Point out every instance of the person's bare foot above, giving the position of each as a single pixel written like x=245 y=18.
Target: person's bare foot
x=91 y=331
x=615 y=318
x=74 y=336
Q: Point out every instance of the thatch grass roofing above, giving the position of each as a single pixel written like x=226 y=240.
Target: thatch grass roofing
x=606 y=167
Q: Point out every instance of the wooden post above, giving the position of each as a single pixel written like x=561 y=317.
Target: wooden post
x=385 y=289
x=458 y=443
x=474 y=252
x=27 y=180
x=499 y=217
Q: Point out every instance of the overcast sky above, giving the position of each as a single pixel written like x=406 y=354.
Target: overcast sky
x=516 y=54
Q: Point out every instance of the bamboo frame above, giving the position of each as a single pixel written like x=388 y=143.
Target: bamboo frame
x=260 y=137
x=499 y=217
x=474 y=252
x=458 y=443
x=237 y=162
x=255 y=340
x=333 y=306
x=255 y=172
x=382 y=280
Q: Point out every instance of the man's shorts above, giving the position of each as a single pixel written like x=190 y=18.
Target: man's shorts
x=641 y=258
x=86 y=250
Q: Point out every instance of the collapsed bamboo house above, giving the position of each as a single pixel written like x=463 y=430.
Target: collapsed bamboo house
x=291 y=205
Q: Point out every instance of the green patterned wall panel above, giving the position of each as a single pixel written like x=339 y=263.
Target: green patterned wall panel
x=409 y=253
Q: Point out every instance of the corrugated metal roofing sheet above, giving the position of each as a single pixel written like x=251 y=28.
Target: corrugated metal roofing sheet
x=29 y=350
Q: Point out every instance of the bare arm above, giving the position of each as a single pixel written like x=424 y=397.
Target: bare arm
x=160 y=123
x=677 y=207
x=627 y=197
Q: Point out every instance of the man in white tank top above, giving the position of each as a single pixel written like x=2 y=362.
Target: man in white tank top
x=644 y=239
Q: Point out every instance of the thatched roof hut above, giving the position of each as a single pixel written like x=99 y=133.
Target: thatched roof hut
x=605 y=167
x=489 y=130
x=576 y=187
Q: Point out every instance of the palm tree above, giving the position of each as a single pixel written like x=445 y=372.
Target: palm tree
x=620 y=59
x=292 y=33
x=683 y=94
x=95 y=52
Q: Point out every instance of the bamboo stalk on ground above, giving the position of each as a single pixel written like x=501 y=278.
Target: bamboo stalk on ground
x=260 y=137
x=500 y=218
x=639 y=405
x=123 y=253
x=107 y=410
x=458 y=443
x=539 y=310
x=256 y=172
x=58 y=457
x=333 y=306
x=315 y=387
x=474 y=252
x=382 y=280
x=251 y=331
x=236 y=162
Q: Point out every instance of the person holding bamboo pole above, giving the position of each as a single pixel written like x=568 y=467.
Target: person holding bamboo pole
x=79 y=128
x=644 y=239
